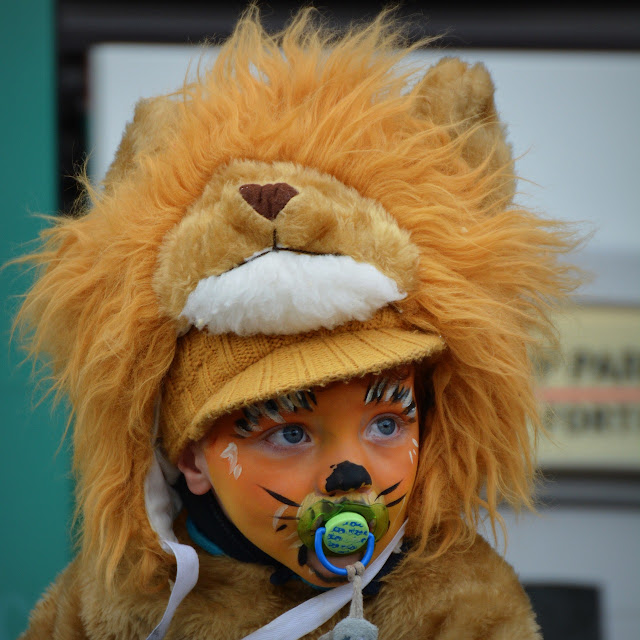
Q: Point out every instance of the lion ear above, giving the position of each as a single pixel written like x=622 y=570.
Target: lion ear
x=460 y=97
x=155 y=121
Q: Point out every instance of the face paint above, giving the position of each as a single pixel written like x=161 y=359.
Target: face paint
x=391 y=390
x=308 y=456
x=347 y=476
x=287 y=404
x=231 y=454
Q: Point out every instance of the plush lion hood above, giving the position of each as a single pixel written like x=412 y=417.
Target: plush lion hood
x=414 y=181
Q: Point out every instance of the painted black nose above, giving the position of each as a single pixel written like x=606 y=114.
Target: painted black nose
x=347 y=476
x=268 y=199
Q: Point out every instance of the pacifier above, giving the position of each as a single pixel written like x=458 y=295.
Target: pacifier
x=342 y=528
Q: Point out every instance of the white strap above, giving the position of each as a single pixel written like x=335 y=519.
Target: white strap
x=186 y=578
x=309 y=615
x=163 y=504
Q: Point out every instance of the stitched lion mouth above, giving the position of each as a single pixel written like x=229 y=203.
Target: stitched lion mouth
x=288 y=292
x=276 y=248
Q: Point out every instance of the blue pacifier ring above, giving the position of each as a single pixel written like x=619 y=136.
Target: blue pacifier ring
x=327 y=565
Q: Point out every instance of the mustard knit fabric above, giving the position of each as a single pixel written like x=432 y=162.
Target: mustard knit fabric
x=215 y=374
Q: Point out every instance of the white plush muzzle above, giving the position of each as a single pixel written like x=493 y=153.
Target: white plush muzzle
x=283 y=292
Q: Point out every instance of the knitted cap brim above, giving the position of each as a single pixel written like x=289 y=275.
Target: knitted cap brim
x=320 y=360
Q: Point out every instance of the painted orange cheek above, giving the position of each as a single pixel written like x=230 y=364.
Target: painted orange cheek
x=245 y=481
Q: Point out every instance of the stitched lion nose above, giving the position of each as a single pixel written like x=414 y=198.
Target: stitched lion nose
x=268 y=199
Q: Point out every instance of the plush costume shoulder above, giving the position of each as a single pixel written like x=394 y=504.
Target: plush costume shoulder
x=470 y=593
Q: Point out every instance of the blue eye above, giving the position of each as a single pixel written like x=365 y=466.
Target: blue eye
x=385 y=429
x=293 y=433
x=288 y=435
x=386 y=425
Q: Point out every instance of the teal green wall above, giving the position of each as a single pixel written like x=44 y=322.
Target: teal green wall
x=35 y=483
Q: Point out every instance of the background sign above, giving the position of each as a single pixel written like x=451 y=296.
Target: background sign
x=591 y=391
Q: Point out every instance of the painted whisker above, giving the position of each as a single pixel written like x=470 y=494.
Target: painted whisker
x=395 y=502
x=302 y=556
x=280 y=498
x=388 y=490
x=276 y=516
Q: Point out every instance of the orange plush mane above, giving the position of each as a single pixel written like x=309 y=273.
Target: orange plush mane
x=489 y=271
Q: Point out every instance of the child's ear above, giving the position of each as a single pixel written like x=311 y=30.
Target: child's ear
x=193 y=465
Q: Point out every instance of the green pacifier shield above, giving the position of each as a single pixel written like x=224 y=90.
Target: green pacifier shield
x=320 y=513
x=346 y=532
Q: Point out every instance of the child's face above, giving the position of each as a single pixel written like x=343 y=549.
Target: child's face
x=270 y=462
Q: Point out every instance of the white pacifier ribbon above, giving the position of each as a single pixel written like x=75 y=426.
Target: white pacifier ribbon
x=186 y=578
x=309 y=615
x=161 y=509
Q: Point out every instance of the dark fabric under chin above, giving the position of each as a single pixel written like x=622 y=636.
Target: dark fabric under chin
x=209 y=519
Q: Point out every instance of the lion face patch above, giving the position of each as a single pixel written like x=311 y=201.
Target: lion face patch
x=281 y=249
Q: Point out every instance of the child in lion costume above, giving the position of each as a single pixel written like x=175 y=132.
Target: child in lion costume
x=294 y=325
